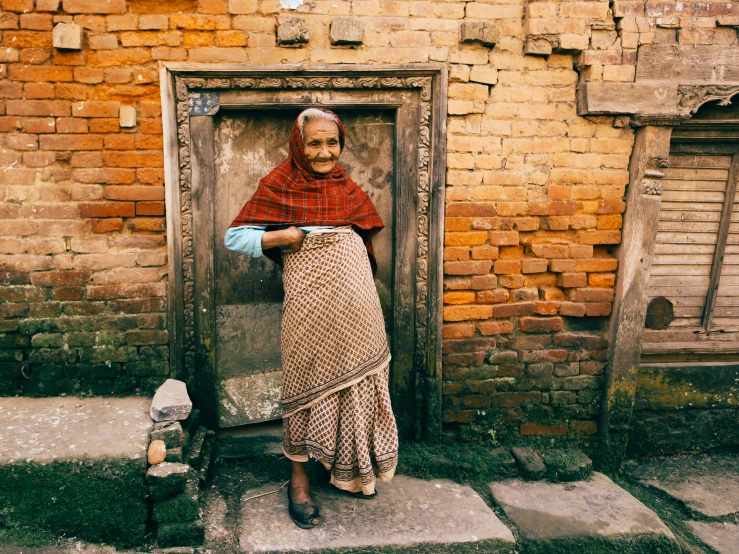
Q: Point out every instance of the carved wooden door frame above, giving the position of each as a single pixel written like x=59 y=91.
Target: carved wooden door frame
x=191 y=95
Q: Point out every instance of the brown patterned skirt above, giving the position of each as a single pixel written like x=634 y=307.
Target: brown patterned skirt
x=335 y=398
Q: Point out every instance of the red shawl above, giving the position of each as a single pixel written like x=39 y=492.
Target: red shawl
x=293 y=194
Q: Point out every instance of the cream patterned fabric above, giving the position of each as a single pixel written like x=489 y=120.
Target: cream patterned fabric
x=336 y=402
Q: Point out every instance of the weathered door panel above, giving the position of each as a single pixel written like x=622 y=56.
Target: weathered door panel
x=248 y=144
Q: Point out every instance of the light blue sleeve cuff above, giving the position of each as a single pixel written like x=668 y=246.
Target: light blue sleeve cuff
x=245 y=240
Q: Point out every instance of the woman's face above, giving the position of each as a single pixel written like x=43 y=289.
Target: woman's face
x=321 y=144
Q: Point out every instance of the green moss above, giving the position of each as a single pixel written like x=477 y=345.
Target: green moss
x=99 y=501
x=593 y=545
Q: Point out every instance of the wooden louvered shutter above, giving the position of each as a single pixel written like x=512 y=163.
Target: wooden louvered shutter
x=696 y=256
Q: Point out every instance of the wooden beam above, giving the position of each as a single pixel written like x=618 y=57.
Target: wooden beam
x=723 y=234
x=603 y=98
x=702 y=64
x=630 y=305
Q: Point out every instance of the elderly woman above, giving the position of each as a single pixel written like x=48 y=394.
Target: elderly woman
x=311 y=218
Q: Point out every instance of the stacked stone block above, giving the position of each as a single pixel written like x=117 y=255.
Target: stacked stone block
x=180 y=463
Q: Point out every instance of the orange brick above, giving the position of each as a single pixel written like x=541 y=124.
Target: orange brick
x=471 y=238
x=459 y=297
x=601 y=279
x=104 y=125
x=597 y=308
x=27 y=39
x=611 y=207
x=93 y=108
x=107 y=225
x=485 y=252
x=599 y=237
x=456 y=253
x=137 y=224
x=459 y=331
x=43 y=125
x=605 y=222
x=457 y=223
x=465 y=313
x=513 y=281
x=507 y=267
x=70 y=91
x=141 y=158
x=597 y=265
x=31 y=90
x=122 y=56
x=503 y=238
x=471 y=209
x=552 y=293
x=133 y=192
x=531 y=265
x=37 y=107
x=559 y=192
x=546 y=308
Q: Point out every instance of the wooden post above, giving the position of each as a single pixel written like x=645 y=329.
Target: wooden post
x=650 y=154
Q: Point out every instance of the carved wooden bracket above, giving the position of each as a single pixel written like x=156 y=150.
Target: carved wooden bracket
x=693 y=97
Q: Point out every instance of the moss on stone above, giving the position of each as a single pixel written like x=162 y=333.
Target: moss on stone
x=591 y=545
x=100 y=501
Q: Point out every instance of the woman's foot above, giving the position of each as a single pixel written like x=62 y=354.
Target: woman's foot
x=301 y=508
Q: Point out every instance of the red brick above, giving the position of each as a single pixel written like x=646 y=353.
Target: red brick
x=467 y=268
x=43 y=108
x=119 y=142
x=95 y=6
x=71 y=125
x=12 y=90
x=69 y=58
x=513 y=310
x=464 y=416
x=471 y=209
x=41 y=126
x=495 y=296
x=88 y=75
x=495 y=327
x=9 y=124
x=22 y=141
x=60 y=278
x=147 y=337
x=70 y=91
x=572 y=280
x=107 y=209
x=512 y=281
x=591 y=368
x=68 y=293
x=543 y=355
x=537 y=429
x=511 y=399
x=154 y=224
x=597 y=308
x=592 y=295
x=71 y=142
x=540 y=324
x=584 y=427
x=597 y=265
x=38 y=159
x=143 y=158
x=575 y=309
x=483 y=282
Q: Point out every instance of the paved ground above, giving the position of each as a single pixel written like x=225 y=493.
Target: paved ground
x=407 y=513
x=722 y=537
x=595 y=508
x=706 y=484
x=70 y=428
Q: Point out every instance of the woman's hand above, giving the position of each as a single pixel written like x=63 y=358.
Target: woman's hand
x=288 y=240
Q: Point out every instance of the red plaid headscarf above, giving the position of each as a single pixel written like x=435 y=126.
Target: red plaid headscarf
x=293 y=194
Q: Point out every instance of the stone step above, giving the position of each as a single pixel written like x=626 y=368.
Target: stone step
x=409 y=515
x=585 y=516
x=75 y=466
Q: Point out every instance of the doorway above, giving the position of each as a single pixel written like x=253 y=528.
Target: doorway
x=227 y=127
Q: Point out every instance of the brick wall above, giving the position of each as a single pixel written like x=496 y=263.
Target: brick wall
x=535 y=192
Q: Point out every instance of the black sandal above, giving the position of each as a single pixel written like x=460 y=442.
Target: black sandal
x=304 y=514
x=363 y=496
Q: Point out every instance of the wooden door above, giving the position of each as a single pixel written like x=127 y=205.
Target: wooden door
x=248 y=291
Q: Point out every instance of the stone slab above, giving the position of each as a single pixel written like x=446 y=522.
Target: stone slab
x=407 y=513
x=70 y=428
x=707 y=484
x=595 y=508
x=722 y=537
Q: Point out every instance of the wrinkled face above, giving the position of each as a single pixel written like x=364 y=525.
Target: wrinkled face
x=321 y=144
